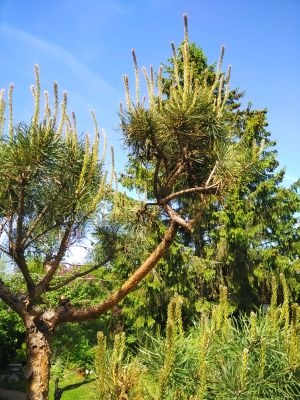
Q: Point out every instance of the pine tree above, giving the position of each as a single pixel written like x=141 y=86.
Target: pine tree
x=52 y=185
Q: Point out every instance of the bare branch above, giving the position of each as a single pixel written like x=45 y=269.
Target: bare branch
x=211 y=174
x=197 y=189
x=10 y=235
x=34 y=224
x=19 y=258
x=16 y=251
x=155 y=178
x=13 y=178
x=78 y=275
x=41 y=234
x=177 y=218
x=150 y=203
x=171 y=179
x=2 y=226
x=20 y=217
x=5 y=251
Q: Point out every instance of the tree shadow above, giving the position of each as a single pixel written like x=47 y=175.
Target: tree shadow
x=59 y=391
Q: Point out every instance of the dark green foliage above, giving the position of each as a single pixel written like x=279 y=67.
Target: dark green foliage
x=199 y=65
x=12 y=336
x=73 y=346
x=254 y=231
x=241 y=237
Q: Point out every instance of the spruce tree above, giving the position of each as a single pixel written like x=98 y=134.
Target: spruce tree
x=242 y=238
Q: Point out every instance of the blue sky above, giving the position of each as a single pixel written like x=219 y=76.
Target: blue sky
x=86 y=47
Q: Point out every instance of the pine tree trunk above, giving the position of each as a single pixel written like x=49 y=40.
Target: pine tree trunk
x=38 y=339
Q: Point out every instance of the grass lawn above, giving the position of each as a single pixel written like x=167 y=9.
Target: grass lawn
x=82 y=392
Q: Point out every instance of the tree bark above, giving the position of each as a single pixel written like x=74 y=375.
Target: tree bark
x=37 y=373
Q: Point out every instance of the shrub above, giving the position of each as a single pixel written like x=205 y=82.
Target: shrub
x=249 y=357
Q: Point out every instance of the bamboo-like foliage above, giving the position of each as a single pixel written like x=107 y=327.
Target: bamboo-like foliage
x=262 y=358
x=174 y=332
x=273 y=305
x=293 y=342
x=285 y=309
x=244 y=359
x=221 y=312
x=203 y=364
x=100 y=365
x=116 y=380
x=253 y=322
x=244 y=369
x=2 y=111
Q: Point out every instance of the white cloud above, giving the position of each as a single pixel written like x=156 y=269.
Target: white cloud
x=56 y=54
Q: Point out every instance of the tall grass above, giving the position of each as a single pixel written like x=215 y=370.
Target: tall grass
x=255 y=357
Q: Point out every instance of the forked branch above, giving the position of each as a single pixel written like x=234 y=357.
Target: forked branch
x=54 y=264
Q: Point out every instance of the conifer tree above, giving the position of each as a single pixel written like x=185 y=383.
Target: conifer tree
x=52 y=184
x=242 y=237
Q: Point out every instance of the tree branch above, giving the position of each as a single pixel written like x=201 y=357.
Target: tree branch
x=11 y=299
x=211 y=174
x=16 y=251
x=10 y=235
x=174 y=174
x=78 y=275
x=56 y=225
x=20 y=260
x=13 y=178
x=5 y=251
x=2 y=226
x=54 y=264
x=35 y=223
x=177 y=218
x=20 y=217
x=155 y=178
x=66 y=314
x=197 y=189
